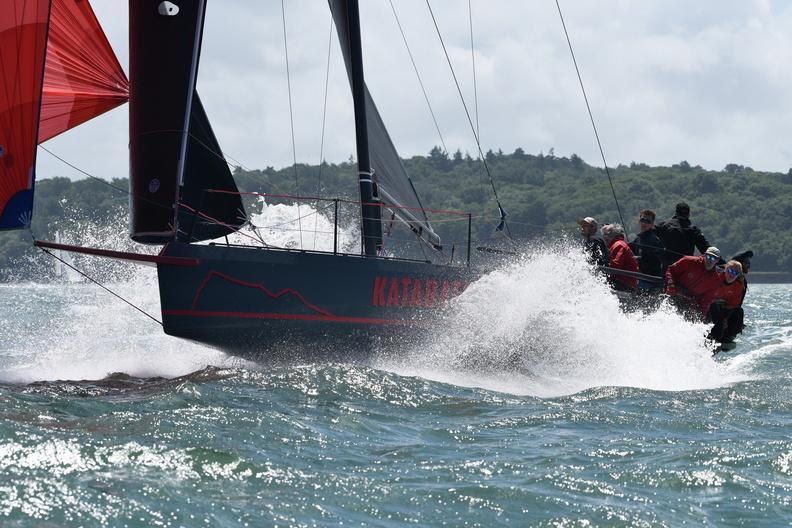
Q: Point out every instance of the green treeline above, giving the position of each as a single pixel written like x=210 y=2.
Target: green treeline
x=736 y=208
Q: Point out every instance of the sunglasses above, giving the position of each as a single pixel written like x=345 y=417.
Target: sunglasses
x=645 y=221
x=733 y=272
x=711 y=257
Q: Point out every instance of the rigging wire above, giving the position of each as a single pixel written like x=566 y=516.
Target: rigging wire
x=473 y=61
x=591 y=115
x=417 y=74
x=105 y=288
x=115 y=187
x=475 y=87
x=502 y=225
x=324 y=120
x=291 y=111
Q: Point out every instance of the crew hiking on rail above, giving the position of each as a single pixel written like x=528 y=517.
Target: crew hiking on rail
x=705 y=287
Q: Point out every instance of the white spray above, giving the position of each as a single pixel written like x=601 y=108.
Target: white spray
x=547 y=325
x=86 y=333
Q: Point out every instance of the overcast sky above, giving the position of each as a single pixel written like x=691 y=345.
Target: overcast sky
x=708 y=81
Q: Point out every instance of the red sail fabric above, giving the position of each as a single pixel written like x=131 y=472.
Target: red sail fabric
x=23 y=40
x=83 y=78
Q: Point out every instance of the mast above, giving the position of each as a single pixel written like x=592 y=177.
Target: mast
x=371 y=214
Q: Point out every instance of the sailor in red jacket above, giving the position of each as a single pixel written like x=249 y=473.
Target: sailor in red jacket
x=621 y=257
x=696 y=277
x=726 y=311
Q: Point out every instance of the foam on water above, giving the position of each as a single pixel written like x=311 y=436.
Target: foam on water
x=72 y=329
x=543 y=324
x=546 y=325
x=89 y=333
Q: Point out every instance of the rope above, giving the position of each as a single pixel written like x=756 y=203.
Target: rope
x=291 y=111
x=324 y=120
x=101 y=180
x=190 y=212
x=420 y=81
x=591 y=116
x=473 y=61
x=467 y=113
x=105 y=288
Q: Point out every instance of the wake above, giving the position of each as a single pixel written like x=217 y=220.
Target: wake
x=546 y=325
x=543 y=325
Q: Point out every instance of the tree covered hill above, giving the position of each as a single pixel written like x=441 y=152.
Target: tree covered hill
x=736 y=208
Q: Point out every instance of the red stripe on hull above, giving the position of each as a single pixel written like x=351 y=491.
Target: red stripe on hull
x=292 y=317
x=256 y=286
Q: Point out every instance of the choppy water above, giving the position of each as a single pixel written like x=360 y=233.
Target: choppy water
x=537 y=403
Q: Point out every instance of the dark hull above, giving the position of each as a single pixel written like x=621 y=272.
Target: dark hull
x=280 y=305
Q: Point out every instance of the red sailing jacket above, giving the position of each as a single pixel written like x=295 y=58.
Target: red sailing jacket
x=690 y=273
x=621 y=257
x=732 y=293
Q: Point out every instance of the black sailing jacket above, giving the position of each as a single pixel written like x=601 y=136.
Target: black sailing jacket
x=649 y=250
x=680 y=238
x=598 y=254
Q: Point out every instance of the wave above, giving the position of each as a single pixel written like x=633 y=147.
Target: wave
x=546 y=324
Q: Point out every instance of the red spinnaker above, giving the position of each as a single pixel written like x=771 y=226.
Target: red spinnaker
x=57 y=70
x=83 y=78
x=23 y=40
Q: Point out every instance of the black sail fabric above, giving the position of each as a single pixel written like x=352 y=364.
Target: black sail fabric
x=174 y=155
x=164 y=47
x=394 y=185
x=205 y=215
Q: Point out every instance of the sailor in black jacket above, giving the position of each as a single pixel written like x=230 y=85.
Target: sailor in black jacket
x=679 y=236
x=596 y=249
x=649 y=250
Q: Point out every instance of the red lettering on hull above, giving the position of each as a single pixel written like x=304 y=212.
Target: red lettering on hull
x=393 y=293
x=414 y=293
x=378 y=299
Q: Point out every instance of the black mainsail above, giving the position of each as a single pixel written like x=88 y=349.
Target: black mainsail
x=394 y=186
x=174 y=155
x=204 y=215
x=269 y=302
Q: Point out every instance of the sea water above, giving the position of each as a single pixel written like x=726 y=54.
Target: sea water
x=534 y=401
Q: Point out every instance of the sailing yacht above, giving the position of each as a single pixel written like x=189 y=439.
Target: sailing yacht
x=258 y=302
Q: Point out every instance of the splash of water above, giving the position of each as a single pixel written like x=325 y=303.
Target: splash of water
x=85 y=333
x=71 y=329
x=547 y=325
x=300 y=227
x=544 y=324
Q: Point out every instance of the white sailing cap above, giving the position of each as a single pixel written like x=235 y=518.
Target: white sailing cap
x=712 y=250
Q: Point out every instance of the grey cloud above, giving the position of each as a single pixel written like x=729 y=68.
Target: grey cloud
x=706 y=81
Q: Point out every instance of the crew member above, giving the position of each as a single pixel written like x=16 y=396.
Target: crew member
x=595 y=248
x=695 y=278
x=725 y=312
x=621 y=258
x=680 y=237
x=649 y=250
